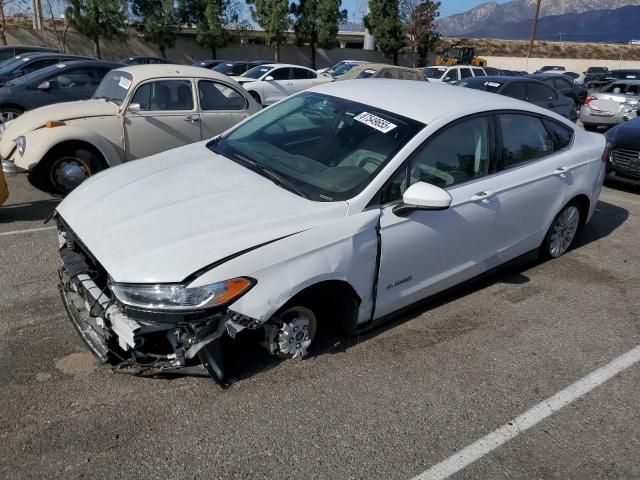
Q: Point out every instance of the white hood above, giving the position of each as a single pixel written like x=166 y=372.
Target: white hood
x=162 y=218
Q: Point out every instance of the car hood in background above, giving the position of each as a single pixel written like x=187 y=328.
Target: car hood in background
x=242 y=80
x=162 y=218
x=625 y=135
x=36 y=118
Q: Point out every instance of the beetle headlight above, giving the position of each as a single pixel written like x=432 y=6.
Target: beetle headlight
x=181 y=297
x=21 y=143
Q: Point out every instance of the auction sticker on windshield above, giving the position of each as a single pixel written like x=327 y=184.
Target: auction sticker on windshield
x=124 y=83
x=376 y=122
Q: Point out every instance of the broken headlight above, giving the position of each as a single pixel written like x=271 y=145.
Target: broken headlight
x=181 y=297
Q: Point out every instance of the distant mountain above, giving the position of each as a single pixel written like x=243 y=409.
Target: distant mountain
x=576 y=18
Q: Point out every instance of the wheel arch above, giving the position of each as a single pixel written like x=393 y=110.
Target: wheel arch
x=584 y=204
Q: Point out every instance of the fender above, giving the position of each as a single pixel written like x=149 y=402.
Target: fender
x=41 y=141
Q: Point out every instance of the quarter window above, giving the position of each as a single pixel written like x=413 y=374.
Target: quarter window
x=300 y=74
x=215 y=96
x=164 y=95
x=561 y=135
x=524 y=138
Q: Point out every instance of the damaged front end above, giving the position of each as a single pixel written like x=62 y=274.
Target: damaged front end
x=136 y=340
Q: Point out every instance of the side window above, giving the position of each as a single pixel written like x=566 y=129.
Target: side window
x=299 y=74
x=561 y=135
x=451 y=76
x=239 y=69
x=465 y=73
x=164 y=95
x=281 y=74
x=456 y=155
x=537 y=92
x=478 y=72
x=389 y=73
x=515 y=90
x=524 y=138
x=78 y=77
x=562 y=85
x=215 y=96
x=37 y=65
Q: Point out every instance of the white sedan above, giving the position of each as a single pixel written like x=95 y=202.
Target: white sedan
x=340 y=205
x=272 y=82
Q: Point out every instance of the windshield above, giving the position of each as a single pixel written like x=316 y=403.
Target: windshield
x=433 y=72
x=34 y=76
x=342 y=69
x=321 y=147
x=256 y=72
x=224 y=68
x=114 y=86
x=11 y=65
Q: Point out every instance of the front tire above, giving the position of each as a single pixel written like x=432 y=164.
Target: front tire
x=9 y=113
x=63 y=170
x=297 y=327
x=562 y=232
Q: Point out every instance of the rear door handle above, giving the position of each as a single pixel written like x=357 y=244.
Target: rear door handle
x=486 y=195
x=192 y=119
x=561 y=171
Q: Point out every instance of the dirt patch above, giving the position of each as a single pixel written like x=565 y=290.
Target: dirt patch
x=77 y=364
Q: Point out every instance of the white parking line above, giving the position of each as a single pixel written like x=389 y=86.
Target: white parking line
x=531 y=417
x=17 y=232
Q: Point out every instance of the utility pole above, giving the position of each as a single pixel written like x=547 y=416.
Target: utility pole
x=534 y=28
x=37 y=15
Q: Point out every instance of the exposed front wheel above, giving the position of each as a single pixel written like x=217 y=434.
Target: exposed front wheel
x=63 y=170
x=562 y=232
x=293 y=332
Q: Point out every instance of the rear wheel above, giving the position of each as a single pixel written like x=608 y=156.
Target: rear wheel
x=563 y=232
x=590 y=127
x=63 y=170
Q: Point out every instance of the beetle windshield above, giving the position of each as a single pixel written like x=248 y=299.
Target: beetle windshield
x=114 y=87
x=321 y=147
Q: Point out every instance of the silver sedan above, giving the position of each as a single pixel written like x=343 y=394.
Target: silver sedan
x=613 y=104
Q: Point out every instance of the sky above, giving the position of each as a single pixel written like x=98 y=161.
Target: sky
x=357 y=8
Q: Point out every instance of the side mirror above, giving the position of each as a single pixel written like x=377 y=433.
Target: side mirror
x=423 y=196
x=269 y=78
x=44 y=85
x=133 y=108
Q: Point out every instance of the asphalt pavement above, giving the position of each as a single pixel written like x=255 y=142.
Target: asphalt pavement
x=388 y=405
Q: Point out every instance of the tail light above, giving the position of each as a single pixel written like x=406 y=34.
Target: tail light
x=589 y=99
x=606 y=154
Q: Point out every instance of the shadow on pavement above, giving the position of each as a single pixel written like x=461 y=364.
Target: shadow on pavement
x=28 y=211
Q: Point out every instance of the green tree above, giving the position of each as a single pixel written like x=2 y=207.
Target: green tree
x=316 y=23
x=420 y=17
x=211 y=19
x=98 y=19
x=383 y=22
x=159 y=22
x=273 y=17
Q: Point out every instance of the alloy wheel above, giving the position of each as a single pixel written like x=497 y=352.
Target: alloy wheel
x=296 y=333
x=564 y=231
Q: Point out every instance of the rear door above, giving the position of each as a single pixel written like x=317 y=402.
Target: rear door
x=280 y=87
x=536 y=167
x=167 y=118
x=221 y=107
x=544 y=96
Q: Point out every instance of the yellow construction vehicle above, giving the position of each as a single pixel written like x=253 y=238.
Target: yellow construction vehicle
x=460 y=55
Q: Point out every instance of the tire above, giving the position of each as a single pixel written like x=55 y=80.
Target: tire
x=9 y=113
x=562 y=232
x=590 y=127
x=297 y=329
x=256 y=97
x=63 y=170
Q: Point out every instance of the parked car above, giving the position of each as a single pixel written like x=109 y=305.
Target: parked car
x=382 y=70
x=623 y=162
x=595 y=74
x=10 y=51
x=30 y=62
x=143 y=60
x=451 y=74
x=550 y=68
x=613 y=104
x=236 y=68
x=63 y=82
x=525 y=89
x=208 y=63
x=135 y=112
x=341 y=206
x=493 y=72
x=272 y=82
x=4 y=190
x=614 y=75
x=341 y=67
x=565 y=86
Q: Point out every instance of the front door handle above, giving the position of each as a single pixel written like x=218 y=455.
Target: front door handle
x=561 y=171
x=481 y=196
x=192 y=119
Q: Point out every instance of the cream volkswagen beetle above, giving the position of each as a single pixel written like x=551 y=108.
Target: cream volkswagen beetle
x=343 y=204
x=135 y=112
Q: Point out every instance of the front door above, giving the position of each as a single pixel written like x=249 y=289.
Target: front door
x=167 y=118
x=221 y=107
x=280 y=87
x=425 y=252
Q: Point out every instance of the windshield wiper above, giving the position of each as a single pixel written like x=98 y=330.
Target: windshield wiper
x=268 y=173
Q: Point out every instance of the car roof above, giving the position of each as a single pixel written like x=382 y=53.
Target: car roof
x=629 y=81
x=36 y=55
x=366 y=66
x=421 y=101
x=145 y=72
x=290 y=65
